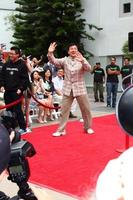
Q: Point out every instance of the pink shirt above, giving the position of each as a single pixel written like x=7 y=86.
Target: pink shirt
x=74 y=74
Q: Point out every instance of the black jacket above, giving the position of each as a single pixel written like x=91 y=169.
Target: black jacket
x=14 y=76
x=1 y=66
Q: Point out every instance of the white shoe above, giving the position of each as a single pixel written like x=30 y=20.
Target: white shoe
x=81 y=120
x=89 y=131
x=57 y=134
x=24 y=131
x=28 y=130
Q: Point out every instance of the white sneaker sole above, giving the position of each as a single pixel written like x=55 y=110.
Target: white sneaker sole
x=89 y=131
x=58 y=134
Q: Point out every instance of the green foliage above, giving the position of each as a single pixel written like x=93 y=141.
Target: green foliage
x=126 y=52
x=37 y=23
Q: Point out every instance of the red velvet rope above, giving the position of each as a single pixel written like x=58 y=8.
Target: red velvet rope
x=45 y=106
x=12 y=103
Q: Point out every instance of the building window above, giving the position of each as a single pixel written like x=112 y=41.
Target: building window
x=126 y=7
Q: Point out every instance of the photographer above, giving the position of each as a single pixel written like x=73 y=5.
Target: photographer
x=7 y=156
x=4 y=155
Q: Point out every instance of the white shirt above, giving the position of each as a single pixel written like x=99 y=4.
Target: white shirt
x=116 y=180
x=58 y=82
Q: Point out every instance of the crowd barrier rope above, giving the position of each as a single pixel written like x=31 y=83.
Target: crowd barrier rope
x=44 y=105
x=27 y=113
x=40 y=103
x=12 y=103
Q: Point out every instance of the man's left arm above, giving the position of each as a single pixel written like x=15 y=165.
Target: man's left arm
x=85 y=64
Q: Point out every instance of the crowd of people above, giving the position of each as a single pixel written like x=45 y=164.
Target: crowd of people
x=19 y=73
x=61 y=80
x=110 y=76
x=56 y=79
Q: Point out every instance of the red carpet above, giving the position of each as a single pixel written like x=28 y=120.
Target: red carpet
x=71 y=163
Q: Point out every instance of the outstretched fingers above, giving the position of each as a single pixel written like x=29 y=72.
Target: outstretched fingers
x=52 y=47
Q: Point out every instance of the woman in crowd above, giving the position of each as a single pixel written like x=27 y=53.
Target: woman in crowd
x=39 y=93
x=48 y=87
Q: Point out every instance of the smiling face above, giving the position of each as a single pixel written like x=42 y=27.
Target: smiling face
x=36 y=75
x=47 y=74
x=60 y=73
x=72 y=51
x=14 y=56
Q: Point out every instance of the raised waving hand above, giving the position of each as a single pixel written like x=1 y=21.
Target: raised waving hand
x=52 y=47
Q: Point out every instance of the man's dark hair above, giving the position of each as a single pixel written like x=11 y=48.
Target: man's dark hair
x=113 y=57
x=98 y=63
x=126 y=58
x=16 y=49
x=60 y=68
x=71 y=44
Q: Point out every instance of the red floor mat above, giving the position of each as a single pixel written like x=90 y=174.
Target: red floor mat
x=71 y=163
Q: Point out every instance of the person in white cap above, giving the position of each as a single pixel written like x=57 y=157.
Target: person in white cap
x=116 y=180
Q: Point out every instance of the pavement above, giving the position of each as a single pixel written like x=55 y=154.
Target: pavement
x=98 y=109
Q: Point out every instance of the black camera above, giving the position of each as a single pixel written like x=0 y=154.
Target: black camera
x=18 y=167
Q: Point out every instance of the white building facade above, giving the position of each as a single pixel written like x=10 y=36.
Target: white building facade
x=6 y=9
x=115 y=17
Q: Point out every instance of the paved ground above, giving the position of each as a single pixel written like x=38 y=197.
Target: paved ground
x=98 y=109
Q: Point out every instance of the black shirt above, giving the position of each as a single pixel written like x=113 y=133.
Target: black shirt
x=98 y=75
x=1 y=66
x=112 y=77
x=14 y=75
x=125 y=71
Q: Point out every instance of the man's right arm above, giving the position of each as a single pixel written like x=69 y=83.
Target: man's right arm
x=109 y=71
x=58 y=62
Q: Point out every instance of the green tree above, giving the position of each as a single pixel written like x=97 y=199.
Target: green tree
x=24 y=23
x=126 y=52
x=39 y=22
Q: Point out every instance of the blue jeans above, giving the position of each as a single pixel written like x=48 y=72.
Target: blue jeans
x=112 y=88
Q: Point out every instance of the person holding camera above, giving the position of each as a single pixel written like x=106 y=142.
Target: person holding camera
x=6 y=138
x=4 y=155
x=75 y=65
